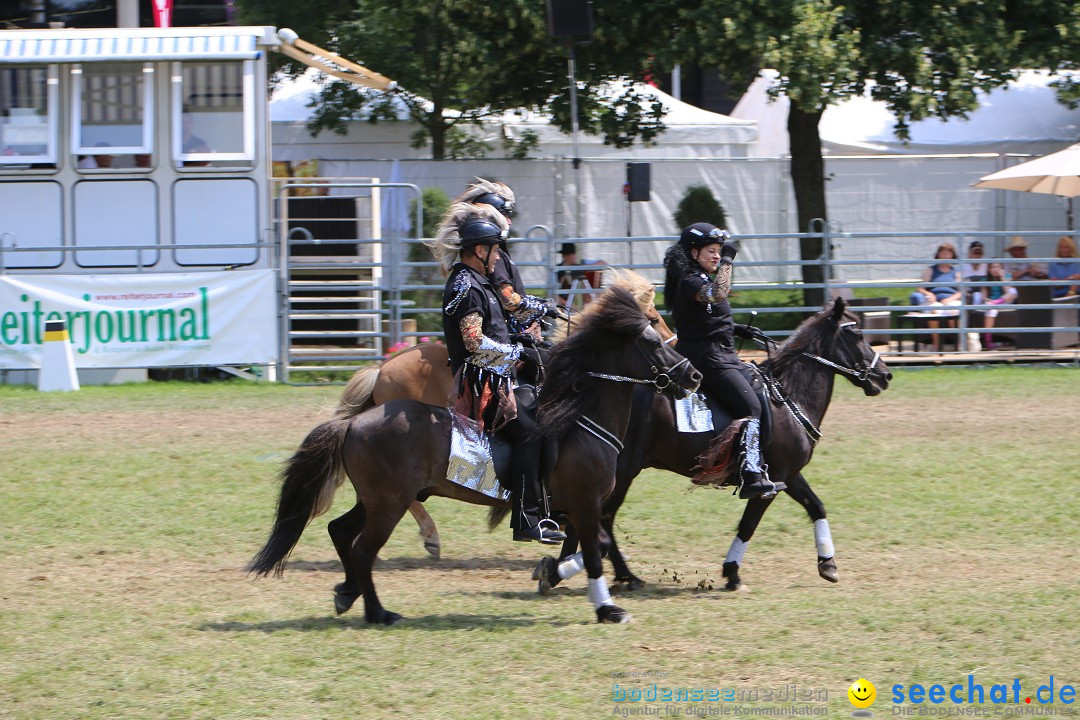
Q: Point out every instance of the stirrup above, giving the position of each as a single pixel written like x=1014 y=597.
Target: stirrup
x=774 y=488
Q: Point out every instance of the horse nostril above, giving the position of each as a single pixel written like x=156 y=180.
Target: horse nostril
x=888 y=376
x=696 y=376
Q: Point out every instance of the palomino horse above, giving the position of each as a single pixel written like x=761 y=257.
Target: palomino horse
x=399 y=452
x=802 y=370
x=422 y=373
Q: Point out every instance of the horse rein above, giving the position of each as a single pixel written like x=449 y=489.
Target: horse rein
x=859 y=372
x=661 y=378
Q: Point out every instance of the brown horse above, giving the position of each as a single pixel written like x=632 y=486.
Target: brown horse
x=399 y=452
x=422 y=373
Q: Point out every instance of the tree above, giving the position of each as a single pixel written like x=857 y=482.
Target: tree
x=698 y=204
x=460 y=62
x=922 y=59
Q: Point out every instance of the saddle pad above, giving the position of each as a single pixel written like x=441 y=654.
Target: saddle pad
x=470 y=463
x=692 y=414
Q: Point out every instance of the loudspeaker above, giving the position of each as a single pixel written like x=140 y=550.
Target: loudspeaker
x=637 y=177
x=569 y=17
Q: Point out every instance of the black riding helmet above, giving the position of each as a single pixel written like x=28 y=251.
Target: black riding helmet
x=480 y=232
x=504 y=206
x=701 y=234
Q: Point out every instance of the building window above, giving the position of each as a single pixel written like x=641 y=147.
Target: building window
x=215 y=104
x=28 y=124
x=112 y=119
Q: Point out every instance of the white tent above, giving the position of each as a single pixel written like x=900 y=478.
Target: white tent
x=1021 y=117
x=291 y=141
x=692 y=132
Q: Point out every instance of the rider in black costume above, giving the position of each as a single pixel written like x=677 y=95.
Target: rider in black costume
x=698 y=280
x=484 y=360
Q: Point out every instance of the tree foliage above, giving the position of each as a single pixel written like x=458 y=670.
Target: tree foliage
x=698 y=204
x=922 y=59
x=460 y=62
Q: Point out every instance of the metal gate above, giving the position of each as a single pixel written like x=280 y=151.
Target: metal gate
x=341 y=273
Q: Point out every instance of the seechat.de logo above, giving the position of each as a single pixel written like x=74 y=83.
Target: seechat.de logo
x=862 y=695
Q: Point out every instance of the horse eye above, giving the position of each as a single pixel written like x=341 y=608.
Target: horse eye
x=654 y=321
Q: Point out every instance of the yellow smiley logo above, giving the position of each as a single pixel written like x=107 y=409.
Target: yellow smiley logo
x=862 y=693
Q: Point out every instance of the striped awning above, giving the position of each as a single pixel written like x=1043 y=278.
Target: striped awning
x=143 y=44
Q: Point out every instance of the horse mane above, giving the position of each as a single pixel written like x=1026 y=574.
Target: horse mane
x=640 y=287
x=615 y=318
x=812 y=336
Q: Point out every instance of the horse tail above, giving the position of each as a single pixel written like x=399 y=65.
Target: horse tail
x=359 y=393
x=496 y=515
x=309 y=479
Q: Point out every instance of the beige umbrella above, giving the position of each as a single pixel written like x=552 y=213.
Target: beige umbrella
x=1054 y=174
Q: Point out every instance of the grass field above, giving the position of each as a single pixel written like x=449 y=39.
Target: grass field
x=128 y=513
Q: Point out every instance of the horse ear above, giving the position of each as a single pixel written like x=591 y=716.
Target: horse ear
x=839 y=305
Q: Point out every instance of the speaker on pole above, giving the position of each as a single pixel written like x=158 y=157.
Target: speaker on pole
x=569 y=17
x=637 y=180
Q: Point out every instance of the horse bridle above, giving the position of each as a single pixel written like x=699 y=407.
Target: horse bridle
x=661 y=379
x=859 y=371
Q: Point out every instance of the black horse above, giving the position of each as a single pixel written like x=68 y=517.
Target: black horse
x=398 y=452
x=802 y=370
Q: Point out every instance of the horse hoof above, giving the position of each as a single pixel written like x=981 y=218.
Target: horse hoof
x=344 y=600
x=434 y=549
x=612 y=614
x=826 y=568
x=631 y=583
x=385 y=618
x=546 y=574
x=731 y=573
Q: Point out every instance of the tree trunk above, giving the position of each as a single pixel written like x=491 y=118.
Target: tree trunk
x=808 y=181
x=437 y=130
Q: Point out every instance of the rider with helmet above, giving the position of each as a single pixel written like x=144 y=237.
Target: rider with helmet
x=524 y=310
x=697 y=283
x=483 y=358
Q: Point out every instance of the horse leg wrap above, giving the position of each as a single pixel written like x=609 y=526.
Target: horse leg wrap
x=736 y=551
x=571 y=566
x=823 y=538
x=598 y=592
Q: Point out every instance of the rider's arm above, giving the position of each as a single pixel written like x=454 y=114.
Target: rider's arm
x=717 y=289
x=484 y=351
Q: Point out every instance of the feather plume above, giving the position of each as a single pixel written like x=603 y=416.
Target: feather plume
x=483 y=187
x=446 y=245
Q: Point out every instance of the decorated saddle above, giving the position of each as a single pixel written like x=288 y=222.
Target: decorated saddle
x=719 y=464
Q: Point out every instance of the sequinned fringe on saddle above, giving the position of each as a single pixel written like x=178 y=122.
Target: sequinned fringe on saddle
x=719 y=464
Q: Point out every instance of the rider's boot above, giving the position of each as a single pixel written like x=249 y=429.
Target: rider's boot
x=752 y=471
x=528 y=521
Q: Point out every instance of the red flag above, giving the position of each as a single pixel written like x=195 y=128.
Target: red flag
x=163 y=13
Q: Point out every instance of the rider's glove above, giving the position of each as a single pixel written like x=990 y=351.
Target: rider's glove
x=526 y=339
x=748 y=332
x=530 y=355
x=729 y=250
x=552 y=308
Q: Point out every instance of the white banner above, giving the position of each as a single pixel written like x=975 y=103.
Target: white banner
x=137 y=321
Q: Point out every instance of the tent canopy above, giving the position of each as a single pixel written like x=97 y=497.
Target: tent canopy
x=1020 y=117
x=691 y=131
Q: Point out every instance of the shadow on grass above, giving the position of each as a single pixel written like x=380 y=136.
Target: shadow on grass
x=484 y=622
x=420 y=563
x=572 y=589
